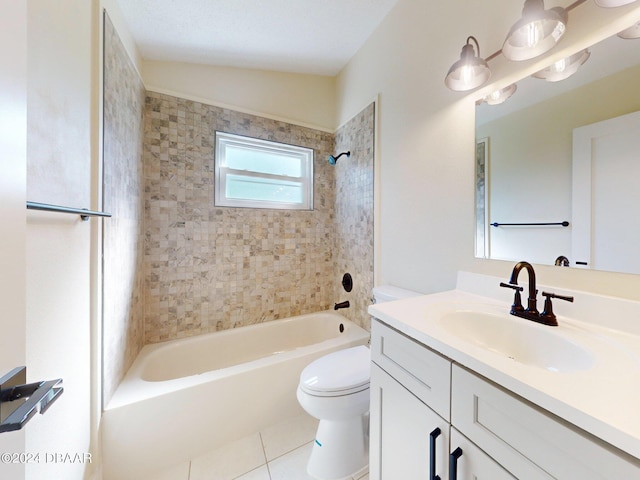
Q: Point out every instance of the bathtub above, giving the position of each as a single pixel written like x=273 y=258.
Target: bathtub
x=185 y=397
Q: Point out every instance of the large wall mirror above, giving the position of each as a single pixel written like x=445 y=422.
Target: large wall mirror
x=565 y=155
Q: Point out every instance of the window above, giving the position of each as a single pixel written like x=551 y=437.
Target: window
x=250 y=172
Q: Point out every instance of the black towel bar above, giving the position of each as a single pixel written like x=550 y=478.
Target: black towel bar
x=563 y=224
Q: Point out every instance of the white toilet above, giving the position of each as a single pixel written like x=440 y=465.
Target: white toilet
x=335 y=390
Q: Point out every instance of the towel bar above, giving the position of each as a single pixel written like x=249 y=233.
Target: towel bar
x=83 y=212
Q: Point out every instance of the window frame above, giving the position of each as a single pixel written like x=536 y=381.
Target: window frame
x=221 y=170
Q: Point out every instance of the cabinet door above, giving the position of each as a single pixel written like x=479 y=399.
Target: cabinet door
x=528 y=441
x=474 y=463
x=400 y=433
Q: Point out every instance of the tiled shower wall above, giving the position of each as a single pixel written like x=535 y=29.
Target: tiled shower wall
x=124 y=96
x=209 y=268
x=353 y=237
x=175 y=266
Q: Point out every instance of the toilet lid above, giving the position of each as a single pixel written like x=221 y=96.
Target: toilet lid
x=339 y=373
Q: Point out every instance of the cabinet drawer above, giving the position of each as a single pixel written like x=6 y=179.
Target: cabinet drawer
x=474 y=463
x=422 y=371
x=528 y=441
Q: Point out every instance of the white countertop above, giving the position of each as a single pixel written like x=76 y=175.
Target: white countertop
x=603 y=399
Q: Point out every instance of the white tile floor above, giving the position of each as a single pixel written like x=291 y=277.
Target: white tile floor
x=279 y=452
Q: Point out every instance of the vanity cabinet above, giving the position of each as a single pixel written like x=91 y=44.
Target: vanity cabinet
x=474 y=464
x=530 y=442
x=404 y=437
x=425 y=407
x=411 y=436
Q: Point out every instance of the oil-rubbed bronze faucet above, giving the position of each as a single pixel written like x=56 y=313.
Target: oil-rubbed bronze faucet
x=547 y=317
x=340 y=305
x=532 y=300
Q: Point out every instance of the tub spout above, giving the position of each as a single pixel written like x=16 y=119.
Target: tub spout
x=340 y=305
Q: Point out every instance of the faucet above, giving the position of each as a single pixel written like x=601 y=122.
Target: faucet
x=532 y=300
x=547 y=317
x=344 y=304
x=562 y=261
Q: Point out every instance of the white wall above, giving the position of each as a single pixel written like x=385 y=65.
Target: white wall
x=59 y=154
x=120 y=24
x=426 y=218
x=13 y=169
x=307 y=100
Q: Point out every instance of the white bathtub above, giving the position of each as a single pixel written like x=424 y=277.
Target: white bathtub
x=185 y=397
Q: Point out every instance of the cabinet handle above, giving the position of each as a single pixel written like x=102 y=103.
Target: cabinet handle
x=432 y=454
x=453 y=463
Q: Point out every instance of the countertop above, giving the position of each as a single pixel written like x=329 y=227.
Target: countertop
x=603 y=400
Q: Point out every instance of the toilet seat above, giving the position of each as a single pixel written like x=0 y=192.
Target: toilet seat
x=344 y=372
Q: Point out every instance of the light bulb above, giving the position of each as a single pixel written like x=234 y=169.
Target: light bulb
x=466 y=74
x=558 y=31
x=559 y=66
x=534 y=32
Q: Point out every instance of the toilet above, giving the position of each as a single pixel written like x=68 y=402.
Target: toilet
x=335 y=390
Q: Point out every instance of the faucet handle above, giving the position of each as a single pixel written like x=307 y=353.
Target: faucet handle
x=512 y=286
x=555 y=295
x=517 y=299
x=547 y=316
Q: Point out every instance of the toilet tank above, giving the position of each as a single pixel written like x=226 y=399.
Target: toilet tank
x=388 y=293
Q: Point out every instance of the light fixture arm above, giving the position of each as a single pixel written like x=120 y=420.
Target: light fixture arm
x=471 y=37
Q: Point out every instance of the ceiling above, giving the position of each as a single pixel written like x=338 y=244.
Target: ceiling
x=301 y=36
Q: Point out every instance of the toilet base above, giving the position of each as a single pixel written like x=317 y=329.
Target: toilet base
x=341 y=448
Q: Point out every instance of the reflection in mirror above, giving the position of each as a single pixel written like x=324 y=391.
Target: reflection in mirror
x=529 y=171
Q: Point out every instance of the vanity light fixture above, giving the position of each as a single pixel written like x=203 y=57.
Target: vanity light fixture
x=631 y=32
x=613 y=3
x=563 y=68
x=470 y=71
x=536 y=32
x=500 y=96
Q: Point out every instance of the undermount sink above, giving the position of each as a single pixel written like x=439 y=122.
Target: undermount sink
x=518 y=339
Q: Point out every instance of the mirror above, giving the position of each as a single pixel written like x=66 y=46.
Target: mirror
x=531 y=166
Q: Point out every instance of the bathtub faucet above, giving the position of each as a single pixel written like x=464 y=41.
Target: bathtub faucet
x=344 y=304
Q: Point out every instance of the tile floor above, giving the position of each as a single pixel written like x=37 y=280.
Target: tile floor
x=279 y=452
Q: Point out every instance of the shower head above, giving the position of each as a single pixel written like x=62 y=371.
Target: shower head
x=333 y=160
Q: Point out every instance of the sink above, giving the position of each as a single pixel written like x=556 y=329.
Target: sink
x=521 y=340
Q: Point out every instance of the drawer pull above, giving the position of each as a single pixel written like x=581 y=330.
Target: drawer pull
x=432 y=454
x=453 y=463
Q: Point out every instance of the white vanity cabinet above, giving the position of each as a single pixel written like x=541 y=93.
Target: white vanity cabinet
x=410 y=409
x=474 y=464
x=416 y=391
x=530 y=442
x=405 y=436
